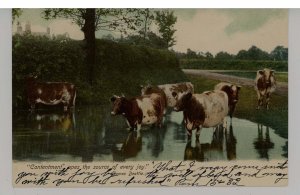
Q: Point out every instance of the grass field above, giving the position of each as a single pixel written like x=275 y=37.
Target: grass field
x=276 y=117
x=280 y=76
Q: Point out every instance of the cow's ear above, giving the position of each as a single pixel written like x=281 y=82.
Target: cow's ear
x=272 y=71
x=122 y=95
x=238 y=87
x=141 y=86
x=174 y=94
x=261 y=72
x=113 y=98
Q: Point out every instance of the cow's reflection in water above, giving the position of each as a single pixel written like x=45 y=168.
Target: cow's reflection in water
x=263 y=144
x=129 y=148
x=223 y=141
x=53 y=121
x=230 y=141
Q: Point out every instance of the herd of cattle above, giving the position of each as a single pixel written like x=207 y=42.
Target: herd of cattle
x=204 y=110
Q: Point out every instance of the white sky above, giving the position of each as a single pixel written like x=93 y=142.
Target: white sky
x=203 y=30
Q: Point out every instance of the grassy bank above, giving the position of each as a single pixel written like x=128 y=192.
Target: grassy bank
x=281 y=77
x=276 y=117
x=232 y=64
x=120 y=68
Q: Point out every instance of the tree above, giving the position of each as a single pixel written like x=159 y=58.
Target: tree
x=208 y=55
x=191 y=54
x=165 y=20
x=16 y=12
x=242 y=55
x=91 y=20
x=279 y=53
x=255 y=53
x=147 y=16
x=224 y=56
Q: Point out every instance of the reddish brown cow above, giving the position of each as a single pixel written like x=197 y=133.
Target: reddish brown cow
x=147 y=109
x=50 y=93
x=232 y=92
x=265 y=84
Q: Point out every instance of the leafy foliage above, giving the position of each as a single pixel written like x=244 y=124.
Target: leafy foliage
x=120 y=68
x=106 y=19
x=165 y=20
x=16 y=12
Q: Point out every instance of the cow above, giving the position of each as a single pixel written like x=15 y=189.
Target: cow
x=146 y=109
x=168 y=89
x=232 y=92
x=50 y=93
x=265 y=84
x=208 y=109
x=149 y=89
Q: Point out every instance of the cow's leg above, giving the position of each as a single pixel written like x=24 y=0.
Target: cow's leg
x=32 y=105
x=189 y=134
x=139 y=126
x=267 y=100
x=259 y=100
x=198 y=131
x=129 y=128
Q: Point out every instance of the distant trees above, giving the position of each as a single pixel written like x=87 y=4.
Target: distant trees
x=279 y=53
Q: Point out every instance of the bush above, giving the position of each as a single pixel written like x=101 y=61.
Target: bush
x=120 y=68
x=233 y=64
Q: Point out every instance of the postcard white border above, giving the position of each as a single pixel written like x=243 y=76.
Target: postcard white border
x=6 y=137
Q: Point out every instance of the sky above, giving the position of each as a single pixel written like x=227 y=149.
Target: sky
x=212 y=30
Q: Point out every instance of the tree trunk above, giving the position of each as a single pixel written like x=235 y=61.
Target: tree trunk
x=90 y=42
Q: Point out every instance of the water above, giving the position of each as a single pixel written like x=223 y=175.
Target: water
x=91 y=134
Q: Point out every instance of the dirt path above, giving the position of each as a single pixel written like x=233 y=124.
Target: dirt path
x=282 y=88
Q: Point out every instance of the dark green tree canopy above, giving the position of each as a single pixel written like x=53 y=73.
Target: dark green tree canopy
x=165 y=20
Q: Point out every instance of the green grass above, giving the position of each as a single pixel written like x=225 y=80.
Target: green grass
x=281 y=77
x=276 y=117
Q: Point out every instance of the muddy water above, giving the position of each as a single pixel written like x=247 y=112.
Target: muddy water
x=91 y=134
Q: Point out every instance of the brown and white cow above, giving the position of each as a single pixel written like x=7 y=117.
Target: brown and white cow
x=232 y=92
x=208 y=109
x=149 y=89
x=146 y=109
x=168 y=89
x=50 y=93
x=265 y=84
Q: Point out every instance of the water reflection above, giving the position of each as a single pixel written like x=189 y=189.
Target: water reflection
x=222 y=141
x=91 y=134
x=263 y=142
x=52 y=121
x=129 y=148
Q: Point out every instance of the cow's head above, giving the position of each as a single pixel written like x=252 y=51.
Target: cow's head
x=267 y=75
x=118 y=105
x=181 y=100
x=235 y=93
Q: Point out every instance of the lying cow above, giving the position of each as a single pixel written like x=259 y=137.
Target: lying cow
x=265 y=84
x=50 y=93
x=232 y=92
x=168 y=89
x=208 y=109
x=146 y=109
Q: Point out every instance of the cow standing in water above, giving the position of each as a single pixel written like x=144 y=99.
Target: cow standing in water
x=50 y=93
x=265 y=84
x=147 y=109
x=232 y=92
x=168 y=89
x=208 y=109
